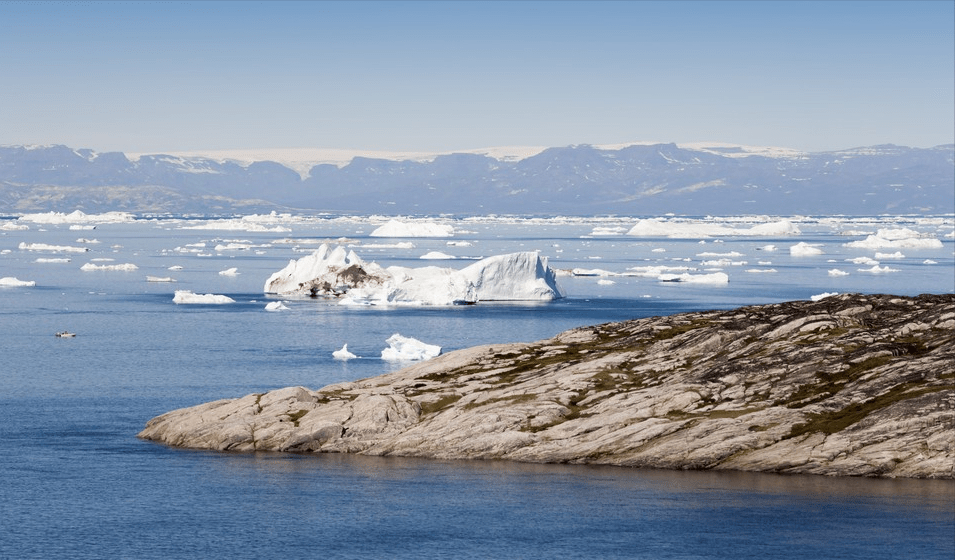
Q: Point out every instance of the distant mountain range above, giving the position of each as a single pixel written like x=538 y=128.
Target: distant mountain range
x=639 y=179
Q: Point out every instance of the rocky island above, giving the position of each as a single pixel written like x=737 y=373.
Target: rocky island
x=857 y=385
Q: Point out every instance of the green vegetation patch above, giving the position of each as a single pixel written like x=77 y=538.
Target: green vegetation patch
x=432 y=407
x=294 y=417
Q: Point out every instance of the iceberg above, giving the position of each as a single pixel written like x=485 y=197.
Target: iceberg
x=186 y=296
x=836 y=272
x=402 y=349
x=229 y=272
x=54 y=248
x=78 y=217
x=657 y=227
x=437 y=256
x=397 y=228
x=11 y=282
x=127 y=267
x=160 y=279
x=803 y=249
x=514 y=277
x=344 y=354
x=900 y=238
x=275 y=306
x=714 y=278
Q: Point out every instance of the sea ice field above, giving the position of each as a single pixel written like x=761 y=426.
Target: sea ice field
x=172 y=311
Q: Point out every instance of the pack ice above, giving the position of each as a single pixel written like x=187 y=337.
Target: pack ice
x=337 y=272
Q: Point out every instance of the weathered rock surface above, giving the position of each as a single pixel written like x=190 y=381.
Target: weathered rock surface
x=849 y=385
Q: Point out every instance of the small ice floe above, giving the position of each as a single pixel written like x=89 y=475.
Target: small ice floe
x=12 y=282
x=864 y=261
x=889 y=256
x=760 y=270
x=876 y=269
x=42 y=260
x=160 y=279
x=402 y=349
x=714 y=278
x=929 y=261
x=458 y=244
x=52 y=248
x=343 y=354
x=803 y=249
x=837 y=272
x=823 y=295
x=275 y=306
x=605 y=282
x=186 y=296
x=768 y=248
x=175 y=267
x=65 y=334
x=229 y=272
x=437 y=255
x=396 y=228
x=895 y=239
x=126 y=267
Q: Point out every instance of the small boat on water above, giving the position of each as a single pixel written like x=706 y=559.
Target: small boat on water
x=65 y=334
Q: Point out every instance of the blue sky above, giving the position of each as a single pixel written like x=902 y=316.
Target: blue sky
x=439 y=76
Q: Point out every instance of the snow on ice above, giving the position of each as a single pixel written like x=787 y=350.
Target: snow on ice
x=12 y=282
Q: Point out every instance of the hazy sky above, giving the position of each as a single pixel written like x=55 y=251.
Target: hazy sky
x=436 y=76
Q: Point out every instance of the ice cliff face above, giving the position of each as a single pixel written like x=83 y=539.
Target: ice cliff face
x=858 y=385
x=335 y=272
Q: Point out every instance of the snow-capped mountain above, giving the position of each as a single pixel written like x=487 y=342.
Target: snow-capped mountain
x=636 y=179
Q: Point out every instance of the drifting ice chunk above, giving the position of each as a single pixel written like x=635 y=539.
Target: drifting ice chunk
x=343 y=354
x=408 y=349
x=657 y=227
x=160 y=279
x=127 y=267
x=715 y=278
x=275 y=306
x=55 y=248
x=229 y=272
x=437 y=255
x=903 y=238
x=186 y=296
x=11 y=282
x=395 y=228
x=837 y=272
x=803 y=249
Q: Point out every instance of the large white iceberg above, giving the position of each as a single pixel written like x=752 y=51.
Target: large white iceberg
x=402 y=348
x=513 y=277
x=78 y=217
x=396 y=228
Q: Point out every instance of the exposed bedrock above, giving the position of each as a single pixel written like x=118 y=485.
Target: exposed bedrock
x=860 y=385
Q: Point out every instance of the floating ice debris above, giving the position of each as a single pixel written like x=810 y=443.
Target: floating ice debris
x=53 y=248
x=714 y=278
x=876 y=269
x=78 y=227
x=768 y=248
x=889 y=256
x=437 y=255
x=658 y=227
x=863 y=260
x=55 y=260
x=608 y=230
x=902 y=238
x=605 y=282
x=127 y=267
x=275 y=306
x=759 y=270
x=344 y=354
x=13 y=226
x=229 y=272
x=175 y=267
x=803 y=249
x=823 y=295
x=396 y=228
x=87 y=241
x=836 y=272
x=78 y=217
x=160 y=279
x=12 y=282
x=408 y=349
x=929 y=261
x=186 y=296
x=242 y=224
x=458 y=243
x=401 y=245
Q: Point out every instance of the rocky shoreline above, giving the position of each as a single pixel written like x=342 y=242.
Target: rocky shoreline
x=851 y=385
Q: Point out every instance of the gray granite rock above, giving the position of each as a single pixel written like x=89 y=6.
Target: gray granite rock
x=860 y=385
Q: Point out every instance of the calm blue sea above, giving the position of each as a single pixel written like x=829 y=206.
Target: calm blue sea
x=76 y=483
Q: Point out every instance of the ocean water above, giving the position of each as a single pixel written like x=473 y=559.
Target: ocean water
x=78 y=484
